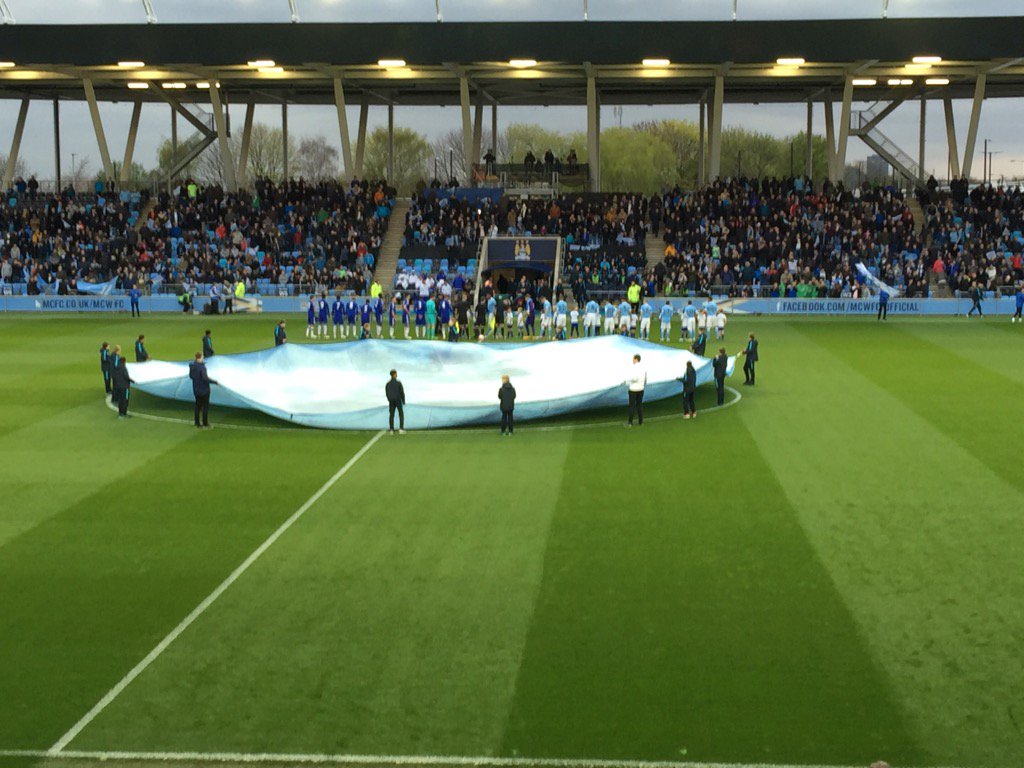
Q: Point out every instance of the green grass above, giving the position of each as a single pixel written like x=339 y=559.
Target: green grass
x=828 y=572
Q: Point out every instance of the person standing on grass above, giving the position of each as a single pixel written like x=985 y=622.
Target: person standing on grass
x=207 y=345
x=689 y=380
x=635 y=383
x=700 y=343
x=665 y=320
x=120 y=381
x=720 y=366
x=1020 y=304
x=431 y=313
x=201 y=382
x=311 y=318
x=883 y=305
x=141 y=355
x=280 y=337
x=338 y=316
x=507 y=405
x=105 y=366
x=134 y=295
x=749 y=359
x=976 y=296
x=395 y=393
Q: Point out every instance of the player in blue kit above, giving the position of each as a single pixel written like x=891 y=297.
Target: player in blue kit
x=406 y=314
x=444 y=311
x=1020 y=304
x=590 y=314
x=338 y=316
x=420 y=310
x=311 y=318
x=378 y=315
x=531 y=315
x=351 y=316
x=365 y=313
x=393 y=308
x=323 y=311
x=665 y=316
x=646 y=310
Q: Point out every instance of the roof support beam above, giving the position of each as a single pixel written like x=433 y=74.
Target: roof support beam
x=348 y=169
x=12 y=156
x=156 y=88
x=467 y=131
x=830 y=135
x=391 y=143
x=129 y=147
x=954 y=152
x=478 y=119
x=243 y=150
x=593 y=132
x=809 y=138
x=972 y=126
x=97 y=124
x=844 y=129
x=364 y=109
x=715 y=130
x=227 y=162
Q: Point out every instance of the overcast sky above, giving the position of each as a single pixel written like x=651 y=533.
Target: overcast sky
x=1001 y=119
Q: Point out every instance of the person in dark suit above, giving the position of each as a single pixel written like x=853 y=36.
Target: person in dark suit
x=720 y=365
x=689 y=380
x=207 y=345
x=201 y=382
x=749 y=359
x=395 y=393
x=280 y=337
x=120 y=381
x=700 y=344
x=976 y=297
x=507 y=405
x=105 y=366
x=883 y=305
x=141 y=355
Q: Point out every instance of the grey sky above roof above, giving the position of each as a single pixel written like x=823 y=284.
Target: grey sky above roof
x=226 y=11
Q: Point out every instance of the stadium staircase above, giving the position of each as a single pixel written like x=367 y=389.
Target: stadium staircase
x=655 y=248
x=391 y=247
x=144 y=212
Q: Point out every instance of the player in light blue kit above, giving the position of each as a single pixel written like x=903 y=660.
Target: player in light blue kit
x=646 y=310
x=590 y=313
x=561 y=315
x=545 y=319
x=689 y=321
x=492 y=316
x=624 y=312
x=609 y=318
x=665 y=318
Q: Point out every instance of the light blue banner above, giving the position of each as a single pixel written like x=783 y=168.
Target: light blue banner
x=97 y=289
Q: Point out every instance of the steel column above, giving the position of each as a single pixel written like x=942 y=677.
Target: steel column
x=346 y=139
x=97 y=124
x=809 y=157
x=391 y=143
x=701 y=151
x=494 y=129
x=467 y=130
x=921 y=139
x=972 y=126
x=227 y=162
x=284 y=138
x=954 y=152
x=593 y=134
x=364 y=109
x=478 y=127
x=12 y=156
x=830 y=136
x=129 y=147
x=56 y=142
x=243 y=150
x=844 y=129
x=715 y=130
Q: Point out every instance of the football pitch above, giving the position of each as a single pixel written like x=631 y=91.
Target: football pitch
x=828 y=571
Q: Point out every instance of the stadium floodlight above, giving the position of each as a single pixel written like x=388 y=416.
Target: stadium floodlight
x=656 y=62
x=260 y=63
x=790 y=61
x=293 y=6
x=522 y=63
x=176 y=86
x=136 y=85
x=131 y=64
x=203 y=86
x=6 y=64
x=864 y=81
x=937 y=81
x=390 y=63
x=147 y=6
x=899 y=81
x=927 y=59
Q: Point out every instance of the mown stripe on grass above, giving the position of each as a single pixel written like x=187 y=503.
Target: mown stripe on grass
x=90 y=590
x=684 y=616
x=390 y=620
x=920 y=537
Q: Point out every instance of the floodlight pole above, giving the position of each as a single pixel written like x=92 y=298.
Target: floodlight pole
x=147 y=5
x=734 y=3
x=885 y=9
x=586 y=14
x=6 y=12
x=437 y=7
x=293 y=6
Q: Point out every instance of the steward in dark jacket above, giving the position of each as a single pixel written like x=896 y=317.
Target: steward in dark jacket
x=395 y=393
x=201 y=382
x=507 y=404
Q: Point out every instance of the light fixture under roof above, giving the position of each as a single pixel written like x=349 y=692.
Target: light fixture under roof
x=203 y=85
x=270 y=70
x=176 y=86
x=390 y=63
x=937 y=81
x=864 y=81
x=136 y=85
x=131 y=64
x=261 y=63
x=656 y=62
x=522 y=63
x=927 y=59
x=899 y=81
x=790 y=61
x=6 y=64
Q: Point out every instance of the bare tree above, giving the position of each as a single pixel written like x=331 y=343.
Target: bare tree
x=316 y=160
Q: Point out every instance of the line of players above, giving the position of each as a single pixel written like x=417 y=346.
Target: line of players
x=426 y=317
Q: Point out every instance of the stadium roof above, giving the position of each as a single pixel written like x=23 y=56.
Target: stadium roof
x=50 y=61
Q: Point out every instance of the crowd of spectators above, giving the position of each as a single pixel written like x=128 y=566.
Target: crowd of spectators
x=976 y=236
x=781 y=237
x=280 y=236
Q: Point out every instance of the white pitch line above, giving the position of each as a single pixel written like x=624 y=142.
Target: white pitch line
x=198 y=611
x=404 y=760
x=454 y=430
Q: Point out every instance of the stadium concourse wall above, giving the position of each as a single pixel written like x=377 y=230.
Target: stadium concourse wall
x=1005 y=305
